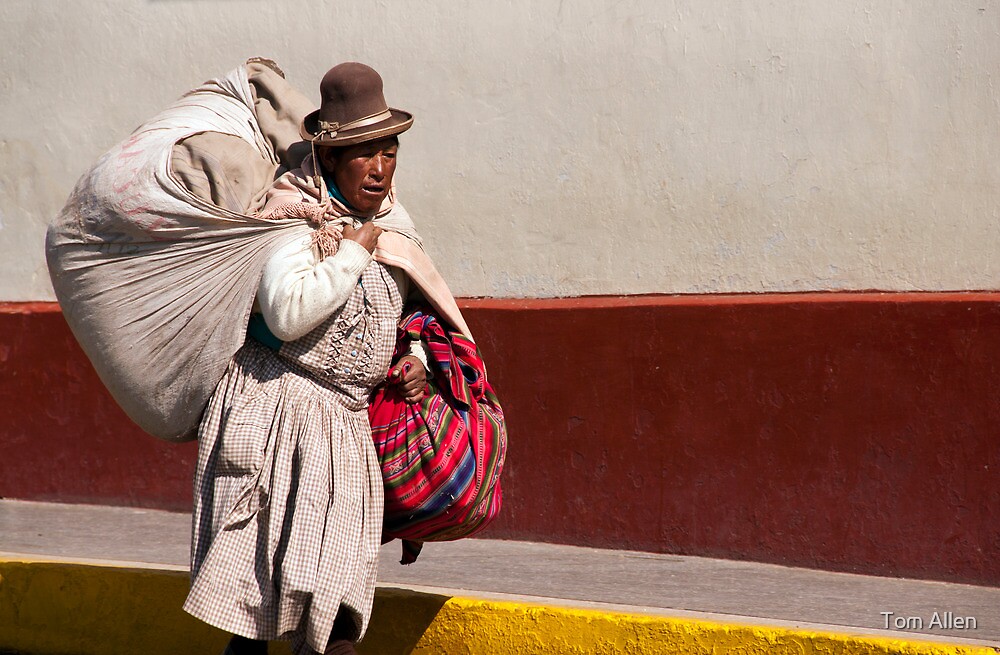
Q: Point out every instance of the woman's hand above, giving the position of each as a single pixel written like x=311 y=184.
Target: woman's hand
x=410 y=378
x=366 y=235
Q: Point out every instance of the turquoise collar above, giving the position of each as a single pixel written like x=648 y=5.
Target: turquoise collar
x=333 y=191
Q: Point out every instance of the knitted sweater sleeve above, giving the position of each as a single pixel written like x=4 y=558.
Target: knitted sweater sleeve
x=297 y=292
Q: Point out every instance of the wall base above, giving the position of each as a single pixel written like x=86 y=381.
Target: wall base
x=852 y=432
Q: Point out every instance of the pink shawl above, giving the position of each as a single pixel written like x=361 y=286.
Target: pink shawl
x=302 y=193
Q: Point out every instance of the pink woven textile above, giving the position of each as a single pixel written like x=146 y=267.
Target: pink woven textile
x=441 y=458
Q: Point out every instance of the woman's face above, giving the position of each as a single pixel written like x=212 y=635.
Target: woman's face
x=363 y=172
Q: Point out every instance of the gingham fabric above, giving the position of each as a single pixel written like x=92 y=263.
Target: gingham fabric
x=288 y=488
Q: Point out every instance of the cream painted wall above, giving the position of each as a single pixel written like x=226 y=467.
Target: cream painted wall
x=585 y=147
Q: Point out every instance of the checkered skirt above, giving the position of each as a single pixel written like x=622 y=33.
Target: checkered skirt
x=288 y=488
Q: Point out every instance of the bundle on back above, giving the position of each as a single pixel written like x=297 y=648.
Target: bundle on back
x=155 y=258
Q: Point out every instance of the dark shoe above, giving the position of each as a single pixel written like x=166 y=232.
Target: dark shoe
x=340 y=647
x=242 y=646
x=342 y=636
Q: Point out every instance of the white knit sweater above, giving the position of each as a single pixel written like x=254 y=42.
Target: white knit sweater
x=298 y=291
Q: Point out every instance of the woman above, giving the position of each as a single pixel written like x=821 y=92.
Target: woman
x=288 y=489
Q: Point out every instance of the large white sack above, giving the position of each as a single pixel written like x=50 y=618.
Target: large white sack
x=155 y=282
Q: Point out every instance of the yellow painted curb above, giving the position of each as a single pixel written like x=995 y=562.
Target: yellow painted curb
x=49 y=608
x=502 y=627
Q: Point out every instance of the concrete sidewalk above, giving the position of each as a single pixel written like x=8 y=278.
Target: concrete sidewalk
x=634 y=583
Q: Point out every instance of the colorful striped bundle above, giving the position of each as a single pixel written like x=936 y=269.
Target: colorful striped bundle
x=441 y=458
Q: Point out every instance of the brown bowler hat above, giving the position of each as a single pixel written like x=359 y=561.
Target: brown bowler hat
x=352 y=109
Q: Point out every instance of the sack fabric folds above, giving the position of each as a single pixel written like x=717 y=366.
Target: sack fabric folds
x=155 y=263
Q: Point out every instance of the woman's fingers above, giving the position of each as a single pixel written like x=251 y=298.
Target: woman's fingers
x=414 y=398
x=413 y=391
x=410 y=378
x=366 y=235
x=412 y=386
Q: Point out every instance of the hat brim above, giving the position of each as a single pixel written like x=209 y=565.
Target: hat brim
x=399 y=122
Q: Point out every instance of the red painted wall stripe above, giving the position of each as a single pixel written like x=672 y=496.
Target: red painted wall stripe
x=844 y=431
x=62 y=437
